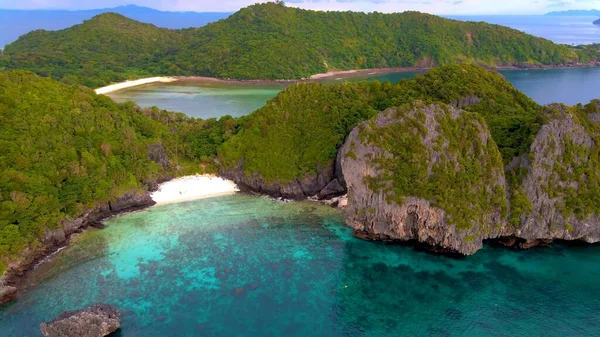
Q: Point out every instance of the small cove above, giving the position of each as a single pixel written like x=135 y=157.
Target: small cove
x=251 y=266
x=209 y=99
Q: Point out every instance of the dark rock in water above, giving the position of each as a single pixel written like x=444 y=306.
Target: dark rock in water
x=157 y=154
x=597 y=22
x=98 y=320
x=6 y=292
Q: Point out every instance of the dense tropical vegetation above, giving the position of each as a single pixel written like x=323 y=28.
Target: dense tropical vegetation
x=306 y=124
x=63 y=149
x=271 y=41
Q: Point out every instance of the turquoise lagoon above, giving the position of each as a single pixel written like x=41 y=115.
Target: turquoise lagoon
x=207 y=99
x=252 y=266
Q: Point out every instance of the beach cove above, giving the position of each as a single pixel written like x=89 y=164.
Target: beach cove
x=253 y=266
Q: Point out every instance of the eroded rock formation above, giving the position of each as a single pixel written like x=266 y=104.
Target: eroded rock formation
x=429 y=173
x=560 y=179
x=98 y=320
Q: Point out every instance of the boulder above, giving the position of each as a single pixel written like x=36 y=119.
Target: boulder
x=6 y=292
x=99 y=320
x=131 y=201
x=332 y=190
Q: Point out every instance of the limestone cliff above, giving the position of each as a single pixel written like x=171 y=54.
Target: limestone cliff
x=558 y=193
x=429 y=173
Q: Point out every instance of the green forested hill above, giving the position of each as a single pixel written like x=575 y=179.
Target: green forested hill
x=304 y=126
x=63 y=149
x=107 y=48
x=270 y=41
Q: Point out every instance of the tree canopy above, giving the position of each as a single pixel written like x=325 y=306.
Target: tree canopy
x=271 y=41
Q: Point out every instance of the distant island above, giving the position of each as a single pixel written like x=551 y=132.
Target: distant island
x=14 y=23
x=575 y=12
x=274 y=42
x=597 y=22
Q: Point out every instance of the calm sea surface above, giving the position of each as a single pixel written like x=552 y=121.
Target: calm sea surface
x=209 y=99
x=251 y=266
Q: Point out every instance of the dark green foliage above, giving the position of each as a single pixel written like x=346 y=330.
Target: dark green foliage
x=63 y=149
x=512 y=117
x=305 y=125
x=107 y=48
x=270 y=41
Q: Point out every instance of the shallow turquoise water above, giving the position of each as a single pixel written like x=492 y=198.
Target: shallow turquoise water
x=251 y=266
x=207 y=100
x=201 y=99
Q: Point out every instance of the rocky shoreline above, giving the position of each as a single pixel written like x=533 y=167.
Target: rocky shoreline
x=55 y=239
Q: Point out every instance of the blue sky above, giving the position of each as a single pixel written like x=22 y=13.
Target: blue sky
x=429 y=6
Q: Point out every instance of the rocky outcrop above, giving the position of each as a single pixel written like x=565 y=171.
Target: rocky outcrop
x=426 y=173
x=560 y=185
x=131 y=201
x=98 y=320
x=59 y=237
x=323 y=183
x=156 y=153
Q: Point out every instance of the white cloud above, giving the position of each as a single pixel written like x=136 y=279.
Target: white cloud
x=430 y=6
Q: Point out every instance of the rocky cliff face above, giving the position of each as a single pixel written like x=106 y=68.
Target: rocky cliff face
x=56 y=238
x=429 y=173
x=323 y=184
x=560 y=179
x=98 y=320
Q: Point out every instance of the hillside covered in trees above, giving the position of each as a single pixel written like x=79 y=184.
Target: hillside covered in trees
x=64 y=149
x=271 y=41
x=305 y=125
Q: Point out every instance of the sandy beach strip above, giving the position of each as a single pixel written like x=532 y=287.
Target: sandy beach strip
x=360 y=72
x=193 y=187
x=135 y=83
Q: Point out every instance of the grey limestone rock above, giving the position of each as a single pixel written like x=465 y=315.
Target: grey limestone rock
x=374 y=214
x=99 y=320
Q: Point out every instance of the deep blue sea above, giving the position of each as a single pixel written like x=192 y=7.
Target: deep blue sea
x=251 y=266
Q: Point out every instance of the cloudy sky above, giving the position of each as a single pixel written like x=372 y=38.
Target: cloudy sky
x=430 y=6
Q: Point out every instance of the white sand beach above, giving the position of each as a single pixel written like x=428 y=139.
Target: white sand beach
x=129 y=84
x=192 y=188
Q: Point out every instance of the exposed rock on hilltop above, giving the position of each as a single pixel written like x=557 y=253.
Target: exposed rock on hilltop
x=560 y=189
x=98 y=320
x=429 y=173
